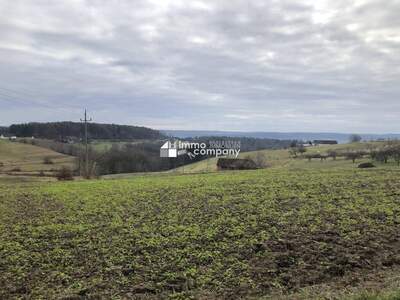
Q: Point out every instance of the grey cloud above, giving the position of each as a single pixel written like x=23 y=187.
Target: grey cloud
x=221 y=65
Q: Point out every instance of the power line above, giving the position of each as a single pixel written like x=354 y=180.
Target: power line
x=21 y=97
x=27 y=98
x=11 y=99
x=20 y=92
x=86 y=120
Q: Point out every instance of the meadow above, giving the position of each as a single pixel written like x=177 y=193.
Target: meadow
x=281 y=159
x=270 y=234
x=23 y=160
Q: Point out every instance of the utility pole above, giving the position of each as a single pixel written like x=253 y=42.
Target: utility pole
x=86 y=120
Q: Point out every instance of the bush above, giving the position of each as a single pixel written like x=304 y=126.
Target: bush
x=260 y=160
x=16 y=169
x=236 y=164
x=355 y=138
x=366 y=165
x=65 y=173
x=47 y=161
x=296 y=150
x=322 y=157
x=333 y=154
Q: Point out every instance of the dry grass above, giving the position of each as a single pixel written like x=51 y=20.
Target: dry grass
x=281 y=159
x=19 y=159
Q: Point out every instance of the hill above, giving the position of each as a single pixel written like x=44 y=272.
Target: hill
x=18 y=159
x=68 y=130
x=270 y=234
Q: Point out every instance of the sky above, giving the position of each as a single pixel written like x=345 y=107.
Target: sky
x=279 y=65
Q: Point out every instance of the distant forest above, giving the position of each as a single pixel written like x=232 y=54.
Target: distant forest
x=64 y=130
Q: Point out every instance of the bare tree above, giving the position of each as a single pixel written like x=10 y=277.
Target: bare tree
x=301 y=149
x=355 y=138
x=353 y=156
x=260 y=160
x=293 y=152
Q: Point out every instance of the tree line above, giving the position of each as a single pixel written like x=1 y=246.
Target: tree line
x=70 y=131
x=246 y=143
x=119 y=158
x=382 y=154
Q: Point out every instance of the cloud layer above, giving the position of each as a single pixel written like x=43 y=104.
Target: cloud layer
x=278 y=65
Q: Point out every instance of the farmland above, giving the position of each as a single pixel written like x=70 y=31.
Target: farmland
x=275 y=233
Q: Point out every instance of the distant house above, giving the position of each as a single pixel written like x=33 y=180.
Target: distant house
x=2 y=137
x=13 y=138
x=325 y=142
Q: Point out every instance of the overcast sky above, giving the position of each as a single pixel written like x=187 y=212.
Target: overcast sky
x=278 y=65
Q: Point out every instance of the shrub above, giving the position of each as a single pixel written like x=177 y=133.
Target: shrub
x=316 y=155
x=16 y=169
x=366 y=165
x=260 y=160
x=293 y=151
x=236 y=164
x=65 y=173
x=301 y=149
x=355 y=138
x=47 y=160
x=333 y=154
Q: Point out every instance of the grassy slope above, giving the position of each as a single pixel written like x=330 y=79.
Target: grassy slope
x=253 y=233
x=103 y=145
x=29 y=158
x=282 y=159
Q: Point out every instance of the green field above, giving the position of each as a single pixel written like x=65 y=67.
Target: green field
x=270 y=233
x=19 y=159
